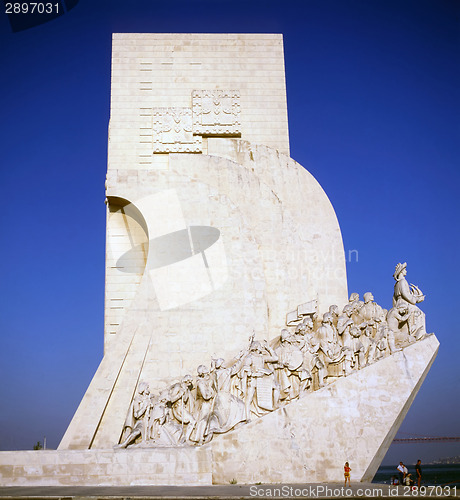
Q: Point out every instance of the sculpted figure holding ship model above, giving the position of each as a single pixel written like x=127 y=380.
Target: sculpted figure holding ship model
x=412 y=295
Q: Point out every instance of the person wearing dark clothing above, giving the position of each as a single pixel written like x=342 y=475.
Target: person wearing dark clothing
x=418 y=471
x=401 y=474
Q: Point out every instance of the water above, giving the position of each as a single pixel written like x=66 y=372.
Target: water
x=432 y=475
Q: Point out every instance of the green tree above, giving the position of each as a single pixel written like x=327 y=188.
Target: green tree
x=38 y=446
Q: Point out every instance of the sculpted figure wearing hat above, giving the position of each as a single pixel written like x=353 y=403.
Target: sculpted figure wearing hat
x=412 y=295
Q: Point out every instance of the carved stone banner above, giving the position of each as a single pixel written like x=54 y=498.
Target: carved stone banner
x=305 y=309
x=172 y=131
x=216 y=112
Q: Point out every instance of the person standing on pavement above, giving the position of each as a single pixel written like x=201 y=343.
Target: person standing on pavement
x=400 y=470
x=346 y=473
x=418 y=471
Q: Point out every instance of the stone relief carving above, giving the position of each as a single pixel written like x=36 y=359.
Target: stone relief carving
x=173 y=131
x=308 y=354
x=216 y=112
x=407 y=296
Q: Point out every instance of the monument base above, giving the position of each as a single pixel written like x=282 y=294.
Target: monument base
x=353 y=419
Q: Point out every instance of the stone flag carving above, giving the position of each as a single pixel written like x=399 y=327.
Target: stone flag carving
x=309 y=308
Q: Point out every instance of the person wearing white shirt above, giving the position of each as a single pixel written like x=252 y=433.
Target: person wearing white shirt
x=401 y=472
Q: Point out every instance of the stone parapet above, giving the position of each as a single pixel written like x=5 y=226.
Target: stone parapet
x=187 y=466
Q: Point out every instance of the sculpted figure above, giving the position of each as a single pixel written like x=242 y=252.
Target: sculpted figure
x=313 y=360
x=298 y=338
x=398 y=323
x=283 y=352
x=156 y=418
x=163 y=429
x=182 y=407
x=223 y=375
x=307 y=323
x=356 y=305
x=391 y=339
x=258 y=373
x=371 y=313
x=136 y=424
x=354 y=297
x=344 y=324
x=412 y=295
x=304 y=332
x=357 y=348
x=330 y=351
x=293 y=377
x=309 y=345
x=334 y=312
x=297 y=328
x=373 y=353
x=385 y=342
x=328 y=339
x=369 y=345
x=381 y=342
x=205 y=393
x=228 y=410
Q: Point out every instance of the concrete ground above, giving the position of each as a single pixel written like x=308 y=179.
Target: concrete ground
x=230 y=492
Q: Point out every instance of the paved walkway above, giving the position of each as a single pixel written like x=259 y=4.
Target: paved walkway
x=224 y=492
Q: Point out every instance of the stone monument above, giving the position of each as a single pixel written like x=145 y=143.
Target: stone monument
x=232 y=350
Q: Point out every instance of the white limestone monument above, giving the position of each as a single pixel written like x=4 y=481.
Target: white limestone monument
x=232 y=350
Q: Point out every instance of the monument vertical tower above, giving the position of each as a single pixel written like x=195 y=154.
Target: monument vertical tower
x=213 y=232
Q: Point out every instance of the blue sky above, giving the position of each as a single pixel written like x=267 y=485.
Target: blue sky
x=373 y=103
